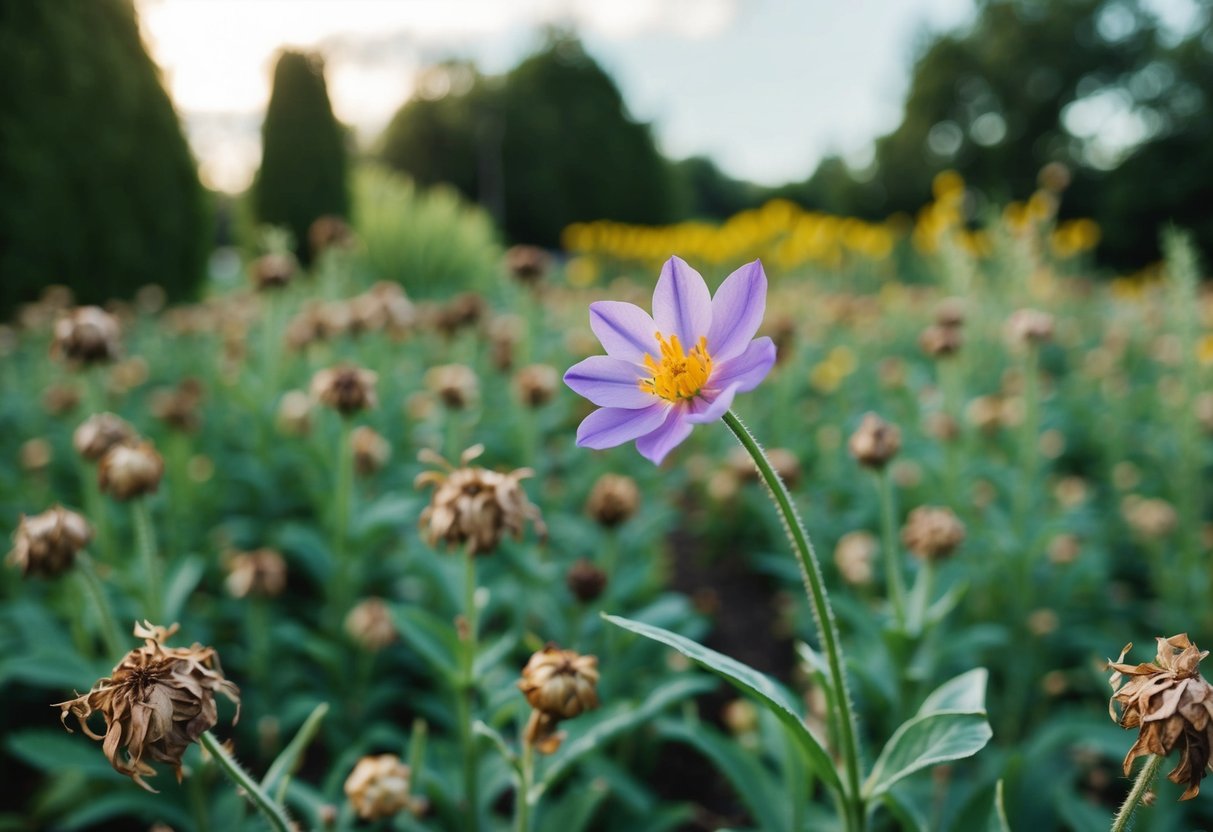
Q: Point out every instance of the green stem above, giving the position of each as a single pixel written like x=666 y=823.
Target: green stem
x=892 y=563
x=827 y=628
x=467 y=693
x=1145 y=779
x=89 y=579
x=145 y=539
x=526 y=775
x=342 y=579
x=274 y=814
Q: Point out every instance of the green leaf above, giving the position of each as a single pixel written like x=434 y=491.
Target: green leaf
x=964 y=694
x=287 y=762
x=183 y=582
x=52 y=750
x=430 y=636
x=924 y=741
x=488 y=732
x=998 y=812
x=907 y=814
x=748 y=680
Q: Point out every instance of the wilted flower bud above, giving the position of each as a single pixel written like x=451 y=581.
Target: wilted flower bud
x=370 y=624
x=155 y=703
x=100 y=432
x=473 y=506
x=36 y=454
x=558 y=684
x=613 y=499
x=463 y=310
x=46 y=544
x=932 y=532
x=874 y=442
x=371 y=451
x=854 y=556
x=179 y=406
x=504 y=333
x=942 y=426
x=261 y=572
x=295 y=413
x=273 y=271
x=58 y=399
x=785 y=462
x=1029 y=327
x=586 y=581
x=1153 y=518
x=940 y=341
x=384 y=306
x=378 y=787
x=527 y=264
x=740 y=717
x=86 y=335
x=536 y=384
x=455 y=384
x=1172 y=706
x=346 y=389
x=130 y=469
x=985 y=413
x=950 y=313
x=329 y=231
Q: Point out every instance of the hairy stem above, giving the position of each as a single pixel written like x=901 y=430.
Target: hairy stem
x=274 y=814
x=467 y=695
x=1145 y=779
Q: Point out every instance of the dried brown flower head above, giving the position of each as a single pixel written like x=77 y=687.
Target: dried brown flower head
x=378 y=787
x=261 y=572
x=462 y=311
x=370 y=624
x=854 y=555
x=100 y=432
x=179 y=407
x=1172 y=706
x=874 y=442
x=785 y=462
x=295 y=413
x=329 y=231
x=36 y=454
x=613 y=500
x=558 y=684
x=58 y=399
x=346 y=389
x=950 y=312
x=473 y=506
x=1029 y=327
x=536 y=384
x=273 y=271
x=46 y=544
x=1152 y=518
x=455 y=384
x=371 y=450
x=527 y=264
x=932 y=532
x=130 y=469
x=383 y=307
x=504 y=332
x=585 y=580
x=86 y=335
x=155 y=703
x=940 y=341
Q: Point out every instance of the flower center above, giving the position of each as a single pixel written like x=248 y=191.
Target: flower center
x=678 y=375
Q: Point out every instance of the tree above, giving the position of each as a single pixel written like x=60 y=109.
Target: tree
x=303 y=158
x=99 y=190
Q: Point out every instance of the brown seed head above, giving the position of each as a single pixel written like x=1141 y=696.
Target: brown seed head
x=1029 y=327
x=329 y=231
x=461 y=311
x=874 y=442
x=370 y=624
x=46 y=544
x=950 y=312
x=1153 y=518
x=155 y=703
x=1171 y=705
x=179 y=407
x=58 y=399
x=455 y=384
x=382 y=308
x=527 y=264
x=586 y=581
x=273 y=271
x=940 y=341
x=295 y=413
x=473 y=506
x=536 y=384
x=613 y=500
x=854 y=555
x=504 y=333
x=378 y=787
x=130 y=469
x=932 y=532
x=371 y=450
x=786 y=464
x=346 y=389
x=558 y=684
x=100 y=432
x=86 y=335
x=261 y=572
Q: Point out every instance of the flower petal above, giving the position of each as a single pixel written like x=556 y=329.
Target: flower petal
x=747 y=370
x=682 y=305
x=608 y=382
x=611 y=426
x=655 y=445
x=705 y=409
x=625 y=330
x=737 y=311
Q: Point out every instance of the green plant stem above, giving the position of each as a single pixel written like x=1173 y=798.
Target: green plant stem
x=526 y=775
x=1145 y=779
x=94 y=508
x=342 y=579
x=145 y=541
x=91 y=582
x=467 y=693
x=892 y=563
x=827 y=627
x=274 y=814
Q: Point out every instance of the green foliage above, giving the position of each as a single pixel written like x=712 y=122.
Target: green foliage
x=303 y=157
x=99 y=188
x=431 y=241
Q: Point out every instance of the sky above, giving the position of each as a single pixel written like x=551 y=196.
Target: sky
x=763 y=87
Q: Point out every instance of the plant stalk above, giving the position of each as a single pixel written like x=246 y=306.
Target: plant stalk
x=467 y=694
x=1145 y=779
x=892 y=563
x=526 y=775
x=145 y=541
x=91 y=582
x=274 y=814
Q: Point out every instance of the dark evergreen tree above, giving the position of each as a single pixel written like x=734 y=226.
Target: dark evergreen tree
x=98 y=189
x=303 y=157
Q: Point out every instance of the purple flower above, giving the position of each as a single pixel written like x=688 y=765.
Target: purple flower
x=681 y=367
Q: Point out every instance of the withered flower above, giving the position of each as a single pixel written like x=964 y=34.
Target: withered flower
x=178 y=407
x=785 y=462
x=36 y=454
x=455 y=384
x=370 y=624
x=130 y=469
x=527 y=264
x=950 y=312
x=874 y=442
x=536 y=384
x=155 y=703
x=613 y=500
x=854 y=556
x=585 y=580
x=295 y=413
x=1151 y=518
x=86 y=335
x=504 y=332
x=58 y=399
x=329 y=231
x=371 y=450
x=46 y=544
x=1028 y=327
x=261 y=572
x=932 y=532
x=463 y=310
x=940 y=341
x=273 y=271
x=378 y=787
x=100 y=432
x=558 y=684
x=1172 y=706
x=346 y=389
x=384 y=306
x=473 y=506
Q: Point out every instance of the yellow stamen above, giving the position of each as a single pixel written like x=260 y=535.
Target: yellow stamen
x=678 y=375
